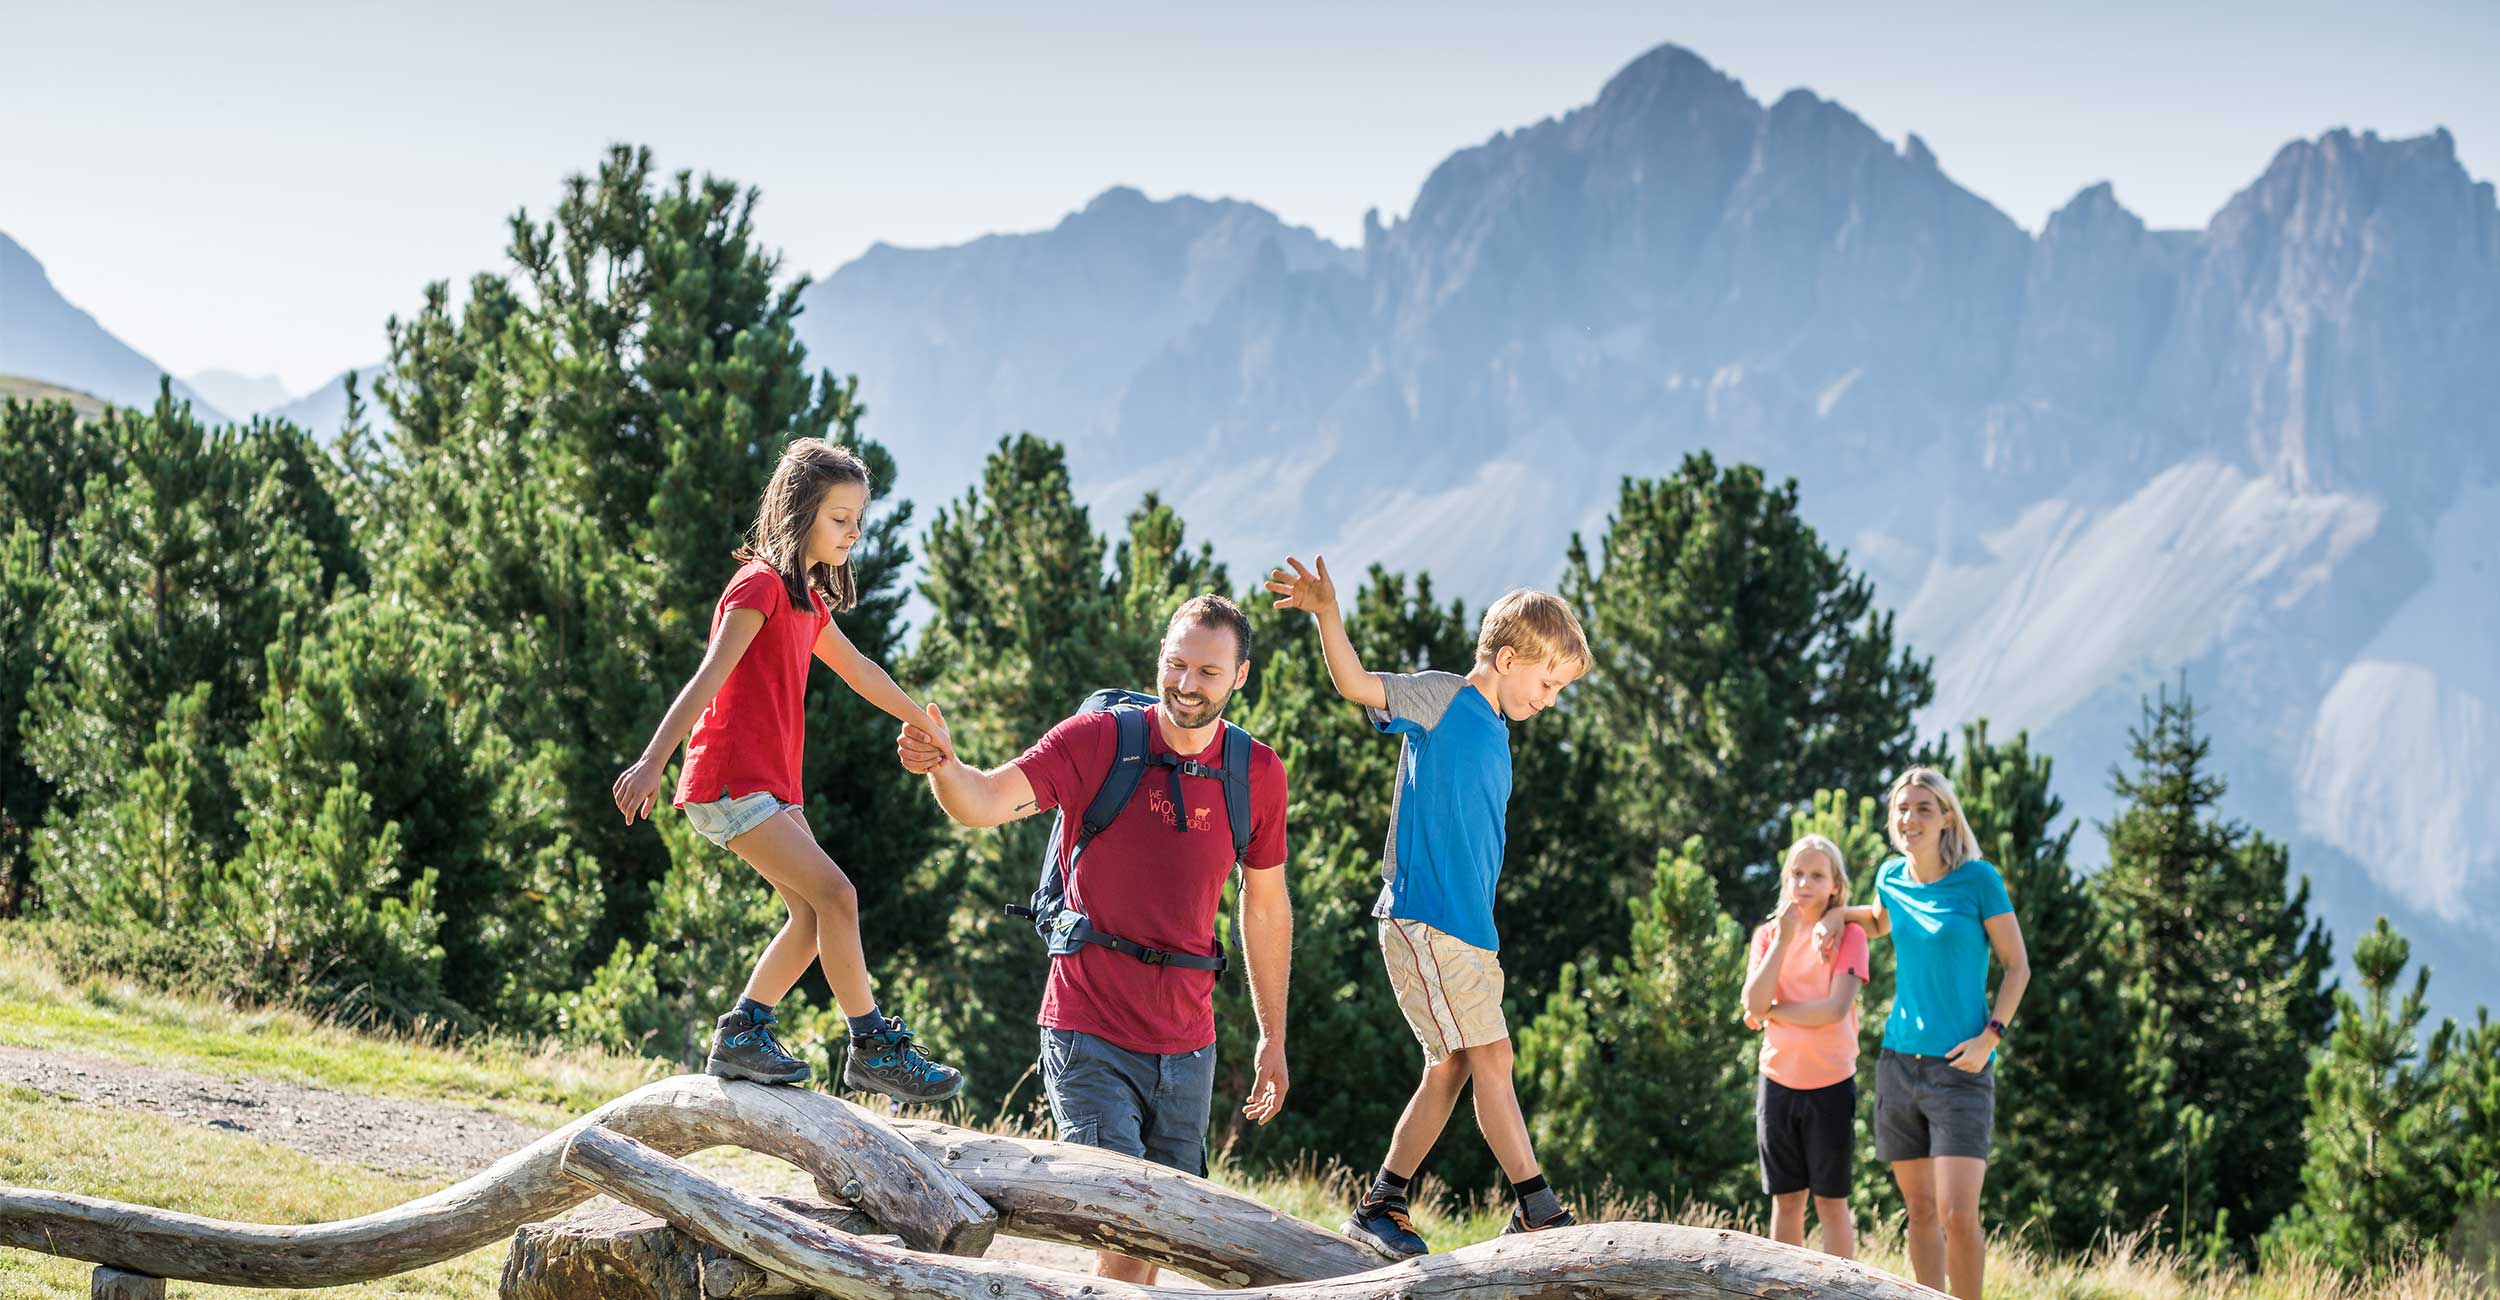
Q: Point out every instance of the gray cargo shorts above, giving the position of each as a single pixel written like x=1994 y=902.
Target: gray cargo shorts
x=1924 y=1107
x=1135 y=1103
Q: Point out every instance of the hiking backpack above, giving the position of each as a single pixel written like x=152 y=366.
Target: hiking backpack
x=1058 y=909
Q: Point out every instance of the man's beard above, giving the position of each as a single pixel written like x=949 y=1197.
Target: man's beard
x=1205 y=714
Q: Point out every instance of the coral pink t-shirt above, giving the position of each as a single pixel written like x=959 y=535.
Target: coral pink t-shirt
x=752 y=733
x=1816 y=1056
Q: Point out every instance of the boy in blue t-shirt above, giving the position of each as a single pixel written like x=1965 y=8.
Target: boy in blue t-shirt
x=1446 y=827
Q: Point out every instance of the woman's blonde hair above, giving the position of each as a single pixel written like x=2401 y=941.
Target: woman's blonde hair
x=1831 y=853
x=809 y=468
x=1957 y=845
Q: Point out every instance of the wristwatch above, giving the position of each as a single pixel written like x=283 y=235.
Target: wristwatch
x=1996 y=1027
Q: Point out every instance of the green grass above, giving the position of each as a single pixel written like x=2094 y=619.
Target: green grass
x=538 y=1083
x=142 y=1158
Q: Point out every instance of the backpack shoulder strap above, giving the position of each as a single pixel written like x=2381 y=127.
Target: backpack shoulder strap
x=1237 y=787
x=1128 y=763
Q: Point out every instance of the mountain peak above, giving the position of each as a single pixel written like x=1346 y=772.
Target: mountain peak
x=1669 y=71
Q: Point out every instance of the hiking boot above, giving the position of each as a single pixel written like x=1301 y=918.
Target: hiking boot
x=1385 y=1224
x=743 y=1047
x=1562 y=1219
x=886 y=1062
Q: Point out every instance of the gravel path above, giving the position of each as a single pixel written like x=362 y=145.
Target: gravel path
x=392 y=1134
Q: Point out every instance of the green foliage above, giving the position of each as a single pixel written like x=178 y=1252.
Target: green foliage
x=133 y=857
x=1637 y=1071
x=2381 y=1178
x=2225 y=977
x=24 y=590
x=1740 y=666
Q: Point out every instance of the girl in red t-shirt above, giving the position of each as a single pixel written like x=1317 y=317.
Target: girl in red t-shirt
x=740 y=787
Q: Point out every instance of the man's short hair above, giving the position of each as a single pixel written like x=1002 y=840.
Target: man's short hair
x=1539 y=625
x=1216 y=610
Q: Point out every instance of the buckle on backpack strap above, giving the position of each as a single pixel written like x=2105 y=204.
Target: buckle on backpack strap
x=1153 y=956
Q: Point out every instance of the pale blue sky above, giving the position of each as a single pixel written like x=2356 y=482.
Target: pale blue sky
x=259 y=193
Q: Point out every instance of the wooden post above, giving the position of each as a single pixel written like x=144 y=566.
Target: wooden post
x=114 y=1284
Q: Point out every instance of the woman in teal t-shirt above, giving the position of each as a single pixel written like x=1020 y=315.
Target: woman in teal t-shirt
x=1935 y=1083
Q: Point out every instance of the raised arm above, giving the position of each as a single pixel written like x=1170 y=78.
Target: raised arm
x=1313 y=590
x=971 y=796
x=637 y=788
x=871 y=681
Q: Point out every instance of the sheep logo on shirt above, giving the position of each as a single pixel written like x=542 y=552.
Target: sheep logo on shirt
x=1161 y=803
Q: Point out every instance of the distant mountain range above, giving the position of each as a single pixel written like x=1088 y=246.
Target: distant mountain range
x=2081 y=464
x=42 y=336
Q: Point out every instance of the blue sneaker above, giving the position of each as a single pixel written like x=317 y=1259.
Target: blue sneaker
x=886 y=1062
x=1385 y=1224
x=743 y=1047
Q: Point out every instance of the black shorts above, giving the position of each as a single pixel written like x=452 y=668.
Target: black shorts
x=1807 y=1137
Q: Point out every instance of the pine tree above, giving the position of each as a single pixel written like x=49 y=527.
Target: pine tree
x=1638 y=1073
x=2225 y=977
x=2381 y=1178
x=2066 y=1123
x=134 y=856
x=176 y=571
x=1740 y=666
x=24 y=795
x=2473 y=1095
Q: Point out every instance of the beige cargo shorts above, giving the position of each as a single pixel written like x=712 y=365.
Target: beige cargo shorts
x=1450 y=990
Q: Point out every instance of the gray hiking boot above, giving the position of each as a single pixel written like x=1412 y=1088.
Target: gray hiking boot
x=743 y=1047
x=887 y=1062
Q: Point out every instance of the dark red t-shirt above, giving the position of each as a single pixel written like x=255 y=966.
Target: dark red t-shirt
x=1147 y=882
x=751 y=734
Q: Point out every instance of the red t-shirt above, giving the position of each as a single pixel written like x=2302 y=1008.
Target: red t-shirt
x=751 y=734
x=1148 y=883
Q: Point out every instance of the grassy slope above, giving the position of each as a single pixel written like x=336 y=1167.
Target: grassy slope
x=137 y=1157
x=87 y=405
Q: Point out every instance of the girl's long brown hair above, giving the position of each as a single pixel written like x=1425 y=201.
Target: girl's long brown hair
x=809 y=468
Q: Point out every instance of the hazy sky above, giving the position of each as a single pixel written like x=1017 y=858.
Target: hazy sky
x=260 y=193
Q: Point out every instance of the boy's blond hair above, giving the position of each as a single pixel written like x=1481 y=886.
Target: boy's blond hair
x=1539 y=625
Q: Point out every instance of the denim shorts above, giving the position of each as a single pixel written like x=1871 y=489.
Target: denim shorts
x=725 y=819
x=1926 y=1106
x=1135 y=1103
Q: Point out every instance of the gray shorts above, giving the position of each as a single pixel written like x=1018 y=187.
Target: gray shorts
x=724 y=820
x=1135 y=1103
x=1925 y=1107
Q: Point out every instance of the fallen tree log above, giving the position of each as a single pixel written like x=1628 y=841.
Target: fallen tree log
x=852 y=1155
x=1592 y=1262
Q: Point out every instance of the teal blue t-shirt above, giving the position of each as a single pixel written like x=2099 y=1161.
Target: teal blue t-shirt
x=1940 y=953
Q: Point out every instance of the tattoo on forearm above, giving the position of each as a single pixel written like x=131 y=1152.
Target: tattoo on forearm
x=1028 y=805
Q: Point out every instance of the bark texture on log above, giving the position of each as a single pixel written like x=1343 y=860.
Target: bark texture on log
x=1599 y=1261
x=1102 y=1200
x=606 y=1250
x=836 y=1143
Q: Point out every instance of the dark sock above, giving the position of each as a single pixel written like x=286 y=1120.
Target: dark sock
x=1387 y=1187
x=1537 y=1202
x=864 y=1026
x=751 y=1009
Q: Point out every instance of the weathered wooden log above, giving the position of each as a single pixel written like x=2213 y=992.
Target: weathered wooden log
x=839 y=1145
x=1599 y=1261
x=114 y=1284
x=606 y=1250
x=1102 y=1200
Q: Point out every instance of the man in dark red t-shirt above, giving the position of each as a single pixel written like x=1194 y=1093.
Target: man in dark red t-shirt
x=1128 y=1048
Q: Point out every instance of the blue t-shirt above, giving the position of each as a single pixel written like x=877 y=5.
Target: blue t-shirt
x=1940 y=953
x=1447 y=821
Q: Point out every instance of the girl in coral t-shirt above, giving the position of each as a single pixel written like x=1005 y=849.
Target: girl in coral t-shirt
x=740 y=787
x=1806 y=1005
